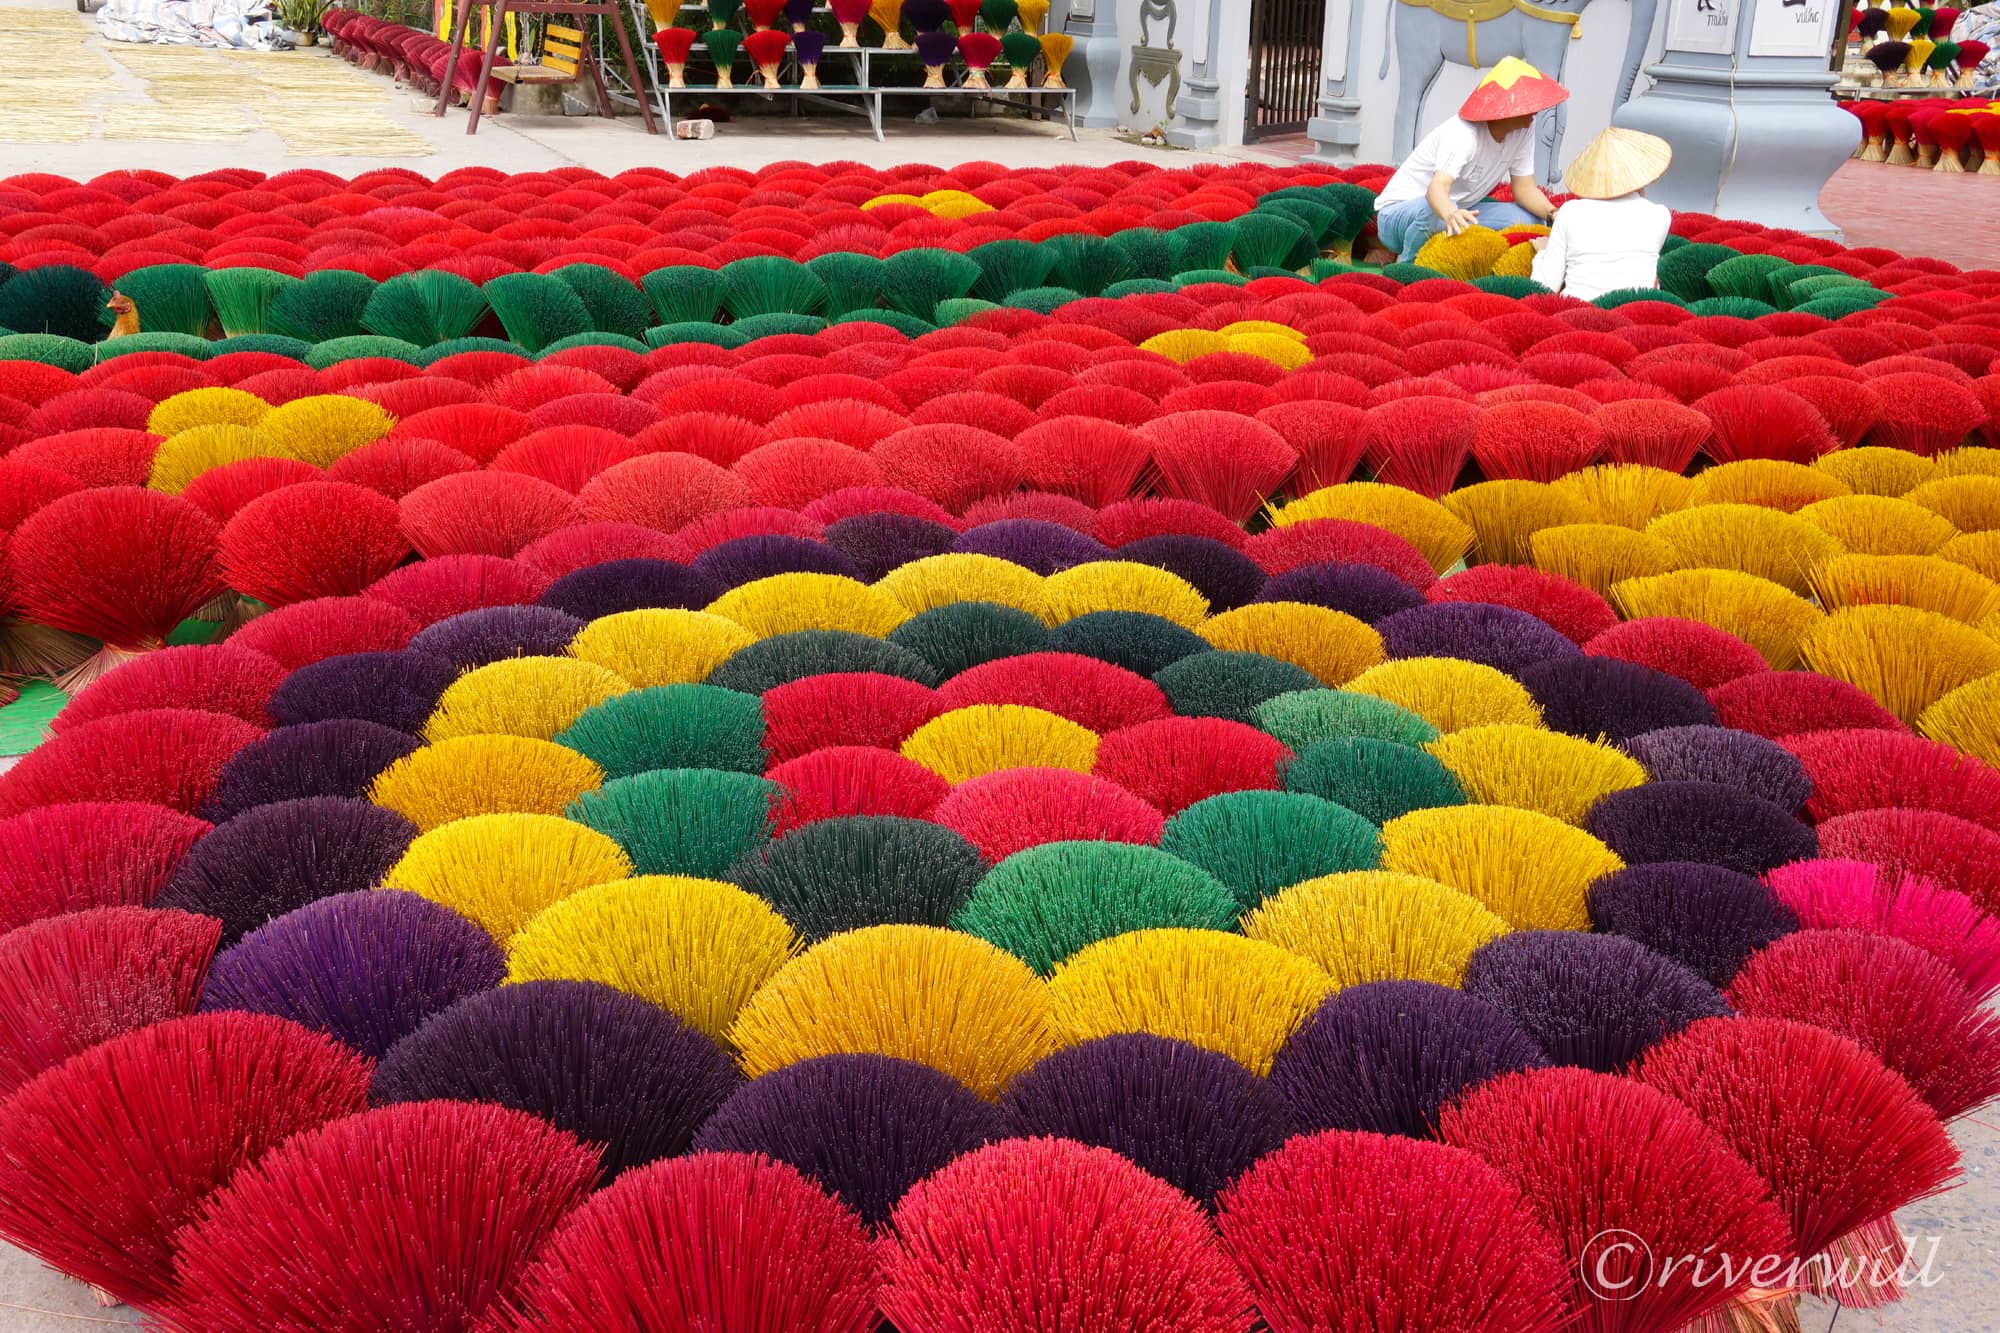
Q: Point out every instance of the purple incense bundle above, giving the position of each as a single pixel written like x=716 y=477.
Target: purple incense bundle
x=276 y=858
x=879 y=543
x=365 y=968
x=394 y=689
x=1368 y=594
x=495 y=633
x=1221 y=573
x=732 y=564
x=1598 y=1001
x=1709 y=919
x=630 y=585
x=1030 y=543
x=336 y=758
x=1501 y=637
x=1699 y=821
x=866 y=1127
x=1605 y=697
x=1727 y=758
x=622 y=1075
x=1193 y=1117
x=1387 y=1055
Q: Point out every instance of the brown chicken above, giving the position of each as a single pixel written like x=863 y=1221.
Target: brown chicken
x=128 y=315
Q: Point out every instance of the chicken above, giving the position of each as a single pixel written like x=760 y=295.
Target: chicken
x=128 y=315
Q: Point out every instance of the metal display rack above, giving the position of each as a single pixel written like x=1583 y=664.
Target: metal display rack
x=1042 y=103
x=1881 y=93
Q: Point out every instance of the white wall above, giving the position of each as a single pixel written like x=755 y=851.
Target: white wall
x=1191 y=38
x=1591 y=72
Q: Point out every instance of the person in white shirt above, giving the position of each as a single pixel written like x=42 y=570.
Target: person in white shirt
x=1445 y=183
x=1608 y=237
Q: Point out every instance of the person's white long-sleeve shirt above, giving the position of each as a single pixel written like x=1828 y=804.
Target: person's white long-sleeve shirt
x=1603 y=245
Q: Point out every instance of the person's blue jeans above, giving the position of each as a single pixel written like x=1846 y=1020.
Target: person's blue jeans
x=1406 y=226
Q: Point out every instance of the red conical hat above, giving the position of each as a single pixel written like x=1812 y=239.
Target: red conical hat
x=1512 y=88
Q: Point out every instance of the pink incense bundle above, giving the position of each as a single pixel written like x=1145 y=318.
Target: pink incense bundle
x=1837 y=894
x=431 y=590
x=85 y=854
x=1228 y=462
x=1420 y=444
x=224 y=678
x=158 y=756
x=122 y=564
x=70 y=982
x=766 y=48
x=483 y=513
x=316 y=539
x=104 y=1158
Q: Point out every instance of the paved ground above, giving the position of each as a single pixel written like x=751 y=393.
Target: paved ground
x=1953 y=217
x=75 y=104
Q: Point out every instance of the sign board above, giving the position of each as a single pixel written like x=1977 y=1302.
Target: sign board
x=1794 y=28
x=1705 y=27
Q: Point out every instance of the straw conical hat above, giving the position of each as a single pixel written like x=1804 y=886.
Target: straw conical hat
x=1616 y=162
x=1512 y=88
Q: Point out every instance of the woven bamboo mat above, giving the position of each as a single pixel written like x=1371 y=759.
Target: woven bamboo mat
x=59 y=83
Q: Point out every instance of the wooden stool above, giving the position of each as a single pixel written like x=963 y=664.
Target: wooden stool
x=566 y=50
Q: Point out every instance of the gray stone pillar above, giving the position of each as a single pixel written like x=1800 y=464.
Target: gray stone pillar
x=1336 y=131
x=1741 y=92
x=1198 y=111
x=1093 y=69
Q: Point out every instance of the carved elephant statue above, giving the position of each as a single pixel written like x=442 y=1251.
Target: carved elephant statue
x=1481 y=33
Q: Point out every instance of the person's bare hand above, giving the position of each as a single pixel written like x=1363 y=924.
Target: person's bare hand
x=1540 y=243
x=1458 y=220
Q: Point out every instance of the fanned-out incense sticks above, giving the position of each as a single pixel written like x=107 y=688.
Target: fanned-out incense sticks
x=926 y=728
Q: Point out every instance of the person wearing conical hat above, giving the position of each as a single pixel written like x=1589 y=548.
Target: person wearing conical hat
x=1444 y=185
x=1608 y=237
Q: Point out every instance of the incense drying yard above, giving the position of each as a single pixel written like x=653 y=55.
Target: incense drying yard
x=965 y=749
